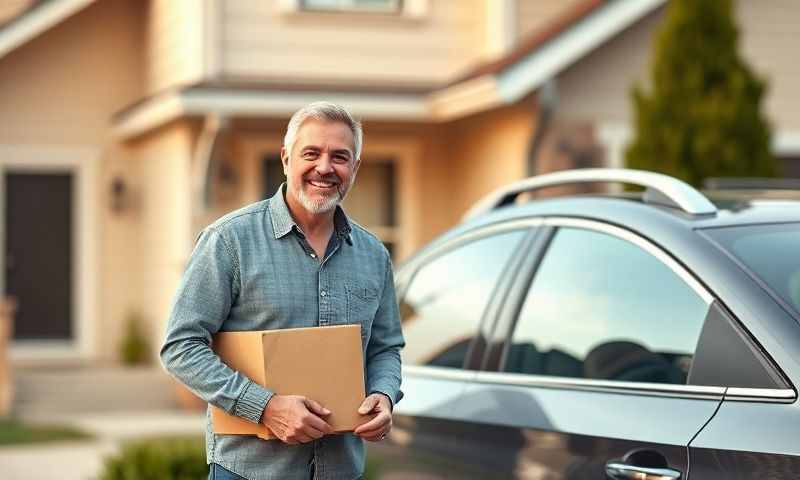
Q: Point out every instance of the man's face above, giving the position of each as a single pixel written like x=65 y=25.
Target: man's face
x=321 y=167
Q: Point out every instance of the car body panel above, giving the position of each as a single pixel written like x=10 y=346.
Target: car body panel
x=749 y=441
x=483 y=424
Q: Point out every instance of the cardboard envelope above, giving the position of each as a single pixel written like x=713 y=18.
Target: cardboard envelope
x=324 y=364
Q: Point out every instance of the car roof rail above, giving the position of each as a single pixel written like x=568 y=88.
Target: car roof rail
x=751 y=183
x=660 y=189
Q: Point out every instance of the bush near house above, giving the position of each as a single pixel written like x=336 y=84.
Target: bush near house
x=167 y=458
x=703 y=117
x=13 y=432
x=134 y=347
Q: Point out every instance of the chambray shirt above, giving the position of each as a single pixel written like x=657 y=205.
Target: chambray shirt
x=254 y=270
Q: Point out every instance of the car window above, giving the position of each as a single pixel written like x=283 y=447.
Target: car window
x=602 y=307
x=770 y=252
x=445 y=300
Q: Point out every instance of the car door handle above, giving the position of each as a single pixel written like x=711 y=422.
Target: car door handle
x=623 y=471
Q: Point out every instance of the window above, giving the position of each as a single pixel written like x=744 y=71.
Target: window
x=770 y=252
x=378 y=6
x=790 y=165
x=371 y=202
x=611 y=312
x=443 y=305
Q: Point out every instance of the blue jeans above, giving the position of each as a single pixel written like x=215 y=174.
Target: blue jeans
x=218 y=473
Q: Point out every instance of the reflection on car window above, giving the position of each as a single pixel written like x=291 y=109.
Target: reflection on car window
x=770 y=251
x=444 y=303
x=601 y=307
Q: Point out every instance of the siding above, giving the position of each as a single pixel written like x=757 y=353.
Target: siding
x=534 y=15
x=598 y=87
x=258 y=40
x=769 y=40
x=173 y=43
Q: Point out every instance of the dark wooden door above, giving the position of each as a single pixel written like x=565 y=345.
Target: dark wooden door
x=38 y=262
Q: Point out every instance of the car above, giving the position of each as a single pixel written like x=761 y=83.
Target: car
x=646 y=335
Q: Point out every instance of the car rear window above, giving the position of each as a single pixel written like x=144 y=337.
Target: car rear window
x=770 y=252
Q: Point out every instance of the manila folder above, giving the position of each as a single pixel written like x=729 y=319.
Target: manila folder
x=324 y=364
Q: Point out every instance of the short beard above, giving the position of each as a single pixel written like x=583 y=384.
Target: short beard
x=328 y=203
x=323 y=206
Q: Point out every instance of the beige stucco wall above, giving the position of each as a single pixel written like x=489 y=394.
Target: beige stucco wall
x=165 y=238
x=59 y=91
x=260 y=40
x=174 y=43
x=467 y=159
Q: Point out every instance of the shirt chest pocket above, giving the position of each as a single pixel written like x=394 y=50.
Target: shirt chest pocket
x=362 y=304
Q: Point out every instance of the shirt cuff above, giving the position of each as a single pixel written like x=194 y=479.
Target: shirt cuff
x=251 y=403
x=389 y=396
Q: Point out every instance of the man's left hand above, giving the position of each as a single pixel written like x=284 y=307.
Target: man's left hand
x=377 y=428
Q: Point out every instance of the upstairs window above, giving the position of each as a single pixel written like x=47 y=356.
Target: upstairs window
x=371 y=6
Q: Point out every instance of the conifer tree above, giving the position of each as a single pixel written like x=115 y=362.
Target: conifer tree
x=702 y=117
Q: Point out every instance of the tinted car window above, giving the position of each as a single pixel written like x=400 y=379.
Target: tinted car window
x=443 y=305
x=770 y=251
x=604 y=308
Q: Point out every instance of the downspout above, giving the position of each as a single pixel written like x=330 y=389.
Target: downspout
x=208 y=145
x=547 y=101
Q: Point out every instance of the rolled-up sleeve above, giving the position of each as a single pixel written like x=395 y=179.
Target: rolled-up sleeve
x=386 y=340
x=202 y=302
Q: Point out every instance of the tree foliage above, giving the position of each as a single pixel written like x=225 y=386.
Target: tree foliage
x=702 y=118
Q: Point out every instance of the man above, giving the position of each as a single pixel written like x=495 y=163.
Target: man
x=294 y=260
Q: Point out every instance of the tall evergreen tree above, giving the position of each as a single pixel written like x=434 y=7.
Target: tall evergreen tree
x=702 y=118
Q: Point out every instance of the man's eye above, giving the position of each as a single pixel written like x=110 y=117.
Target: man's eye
x=309 y=155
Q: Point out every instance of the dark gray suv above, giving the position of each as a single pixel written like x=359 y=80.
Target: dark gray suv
x=648 y=336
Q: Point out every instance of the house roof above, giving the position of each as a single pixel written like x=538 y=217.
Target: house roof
x=34 y=18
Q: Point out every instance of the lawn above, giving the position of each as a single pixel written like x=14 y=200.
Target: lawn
x=13 y=432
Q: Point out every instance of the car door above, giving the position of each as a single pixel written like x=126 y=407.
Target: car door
x=592 y=382
x=445 y=297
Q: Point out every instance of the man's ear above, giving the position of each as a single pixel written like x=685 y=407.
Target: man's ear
x=285 y=161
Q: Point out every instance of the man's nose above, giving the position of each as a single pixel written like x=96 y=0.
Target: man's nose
x=324 y=165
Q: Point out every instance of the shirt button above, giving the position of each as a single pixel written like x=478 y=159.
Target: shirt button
x=323 y=293
x=313 y=255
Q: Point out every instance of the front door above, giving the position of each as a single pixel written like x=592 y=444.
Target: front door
x=38 y=256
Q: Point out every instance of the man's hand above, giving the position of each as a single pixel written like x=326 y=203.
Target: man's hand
x=377 y=428
x=295 y=419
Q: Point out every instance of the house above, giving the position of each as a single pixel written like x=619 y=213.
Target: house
x=128 y=125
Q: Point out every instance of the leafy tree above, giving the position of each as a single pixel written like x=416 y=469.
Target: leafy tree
x=702 y=118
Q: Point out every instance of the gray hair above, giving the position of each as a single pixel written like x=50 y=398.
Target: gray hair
x=325 y=111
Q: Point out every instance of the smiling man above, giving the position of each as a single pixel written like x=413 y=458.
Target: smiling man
x=294 y=260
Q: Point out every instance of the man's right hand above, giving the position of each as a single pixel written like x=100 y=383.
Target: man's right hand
x=295 y=419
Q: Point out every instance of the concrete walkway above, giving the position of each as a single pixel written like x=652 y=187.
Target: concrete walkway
x=84 y=460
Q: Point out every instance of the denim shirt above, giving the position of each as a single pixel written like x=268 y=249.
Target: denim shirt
x=254 y=270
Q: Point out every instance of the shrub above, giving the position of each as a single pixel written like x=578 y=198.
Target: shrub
x=702 y=117
x=134 y=348
x=167 y=458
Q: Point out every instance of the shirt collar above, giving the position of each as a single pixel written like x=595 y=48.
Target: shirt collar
x=283 y=223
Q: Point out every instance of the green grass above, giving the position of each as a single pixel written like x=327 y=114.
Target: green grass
x=13 y=432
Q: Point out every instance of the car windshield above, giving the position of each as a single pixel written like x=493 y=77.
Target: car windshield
x=770 y=252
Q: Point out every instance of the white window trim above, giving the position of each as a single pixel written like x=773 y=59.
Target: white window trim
x=409 y=9
x=81 y=162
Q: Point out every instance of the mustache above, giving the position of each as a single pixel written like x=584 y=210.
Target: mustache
x=332 y=178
